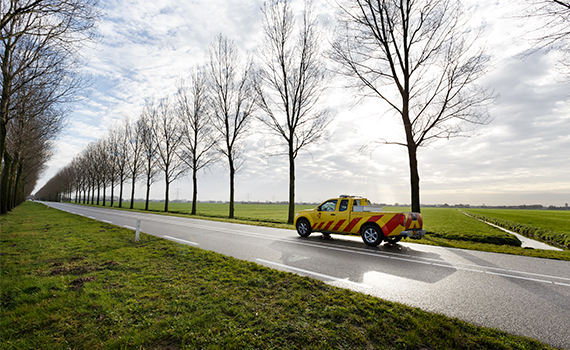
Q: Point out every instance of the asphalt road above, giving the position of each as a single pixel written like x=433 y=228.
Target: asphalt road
x=521 y=295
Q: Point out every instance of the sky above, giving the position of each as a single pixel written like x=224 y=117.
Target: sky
x=521 y=157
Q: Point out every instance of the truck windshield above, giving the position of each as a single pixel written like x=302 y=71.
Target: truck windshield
x=329 y=205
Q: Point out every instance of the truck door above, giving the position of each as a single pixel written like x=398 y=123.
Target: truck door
x=342 y=216
x=326 y=215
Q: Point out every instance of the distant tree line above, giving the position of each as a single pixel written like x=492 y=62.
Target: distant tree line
x=483 y=206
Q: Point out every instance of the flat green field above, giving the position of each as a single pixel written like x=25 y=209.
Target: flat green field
x=69 y=282
x=554 y=220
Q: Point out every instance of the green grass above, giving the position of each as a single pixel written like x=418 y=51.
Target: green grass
x=546 y=225
x=72 y=282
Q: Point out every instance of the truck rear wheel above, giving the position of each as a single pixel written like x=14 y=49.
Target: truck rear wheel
x=303 y=227
x=371 y=235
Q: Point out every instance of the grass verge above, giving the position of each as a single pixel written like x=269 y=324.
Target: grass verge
x=71 y=282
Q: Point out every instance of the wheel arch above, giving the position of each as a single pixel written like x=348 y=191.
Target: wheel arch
x=301 y=217
x=371 y=223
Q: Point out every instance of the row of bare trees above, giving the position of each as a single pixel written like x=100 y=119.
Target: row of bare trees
x=39 y=65
x=418 y=58
x=210 y=115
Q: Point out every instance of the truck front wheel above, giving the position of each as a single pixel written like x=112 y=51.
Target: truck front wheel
x=371 y=235
x=303 y=227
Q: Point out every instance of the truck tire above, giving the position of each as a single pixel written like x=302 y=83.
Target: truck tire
x=372 y=235
x=303 y=227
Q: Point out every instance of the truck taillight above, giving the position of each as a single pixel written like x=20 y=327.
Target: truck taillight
x=402 y=220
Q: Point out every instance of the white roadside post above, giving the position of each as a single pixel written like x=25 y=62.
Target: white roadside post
x=138 y=230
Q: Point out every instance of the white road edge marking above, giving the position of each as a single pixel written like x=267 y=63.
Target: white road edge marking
x=312 y=273
x=107 y=221
x=129 y=227
x=519 y=277
x=180 y=240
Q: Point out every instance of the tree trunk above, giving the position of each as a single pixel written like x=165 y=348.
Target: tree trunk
x=4 y=184
x=291 y=216
x=16 y=162
x=112 y=193
x=194 y=190
x=19 y=186
x=232 y=189
x=414 y=178
x=411 y=145
x=4 y=107
x=12 y=183
x=166 y=197
x=147 y=192
x=133 y=193
x=121 y=195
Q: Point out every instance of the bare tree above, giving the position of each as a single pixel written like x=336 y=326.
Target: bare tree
x=75 y=178
x=291 y=80
x=419 y=58
x=111 y=165
x=148 y=119
x=169 y=140
x=135 y=164
x=120 y=147
x=232 y=106
x=199 y=140
x=548 y=27
x=101 y=158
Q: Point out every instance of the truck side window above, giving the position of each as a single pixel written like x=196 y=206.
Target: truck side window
x=343 y=205
x=356 y=202
x=329 y=206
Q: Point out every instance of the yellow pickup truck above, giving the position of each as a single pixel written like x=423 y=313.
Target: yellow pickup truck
x=355 y=215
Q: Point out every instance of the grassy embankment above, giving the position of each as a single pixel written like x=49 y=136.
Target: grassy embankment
x=550 y=226
x=72 y=282
x=446 y=226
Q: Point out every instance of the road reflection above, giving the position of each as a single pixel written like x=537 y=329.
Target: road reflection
x=347 y=258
